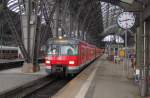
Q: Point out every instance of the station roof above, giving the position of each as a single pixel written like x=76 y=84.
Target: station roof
x=110 y=13
x=100 y=20
x=110 y=8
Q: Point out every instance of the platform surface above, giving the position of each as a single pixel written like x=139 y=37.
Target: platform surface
x=13 y=78
x=8 y=61
x=102 y=79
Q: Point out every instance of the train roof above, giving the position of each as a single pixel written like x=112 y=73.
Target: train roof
x=63 y=41
x=67 y=41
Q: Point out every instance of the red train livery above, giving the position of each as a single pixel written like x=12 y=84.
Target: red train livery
x=69 y=55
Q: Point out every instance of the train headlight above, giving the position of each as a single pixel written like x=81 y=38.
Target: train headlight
x=71 y=62
x=48 y=62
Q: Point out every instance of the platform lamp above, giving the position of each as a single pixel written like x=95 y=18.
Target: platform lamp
x=59 y=31
x=126 y=21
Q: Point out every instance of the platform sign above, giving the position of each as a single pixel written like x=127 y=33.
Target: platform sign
x=122 y=53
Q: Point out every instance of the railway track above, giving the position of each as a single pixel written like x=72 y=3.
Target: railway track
x=41 y=88
x=50 y=89
x=21 y=91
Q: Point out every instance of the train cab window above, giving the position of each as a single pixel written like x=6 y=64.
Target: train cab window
x=62 y=50
x=53 y=50
x=68 y=50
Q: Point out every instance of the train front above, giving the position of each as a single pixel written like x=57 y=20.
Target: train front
x=62 y=57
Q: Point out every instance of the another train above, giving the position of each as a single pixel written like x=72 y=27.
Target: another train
x=69 y=56
x=9 y=52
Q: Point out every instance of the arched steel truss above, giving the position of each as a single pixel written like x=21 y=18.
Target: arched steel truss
x=83 y=19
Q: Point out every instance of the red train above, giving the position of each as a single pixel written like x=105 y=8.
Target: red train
x=69 y=55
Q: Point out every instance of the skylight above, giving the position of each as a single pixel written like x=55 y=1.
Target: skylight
x=111 y=38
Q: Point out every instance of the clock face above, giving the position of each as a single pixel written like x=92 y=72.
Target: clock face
x=126 y=20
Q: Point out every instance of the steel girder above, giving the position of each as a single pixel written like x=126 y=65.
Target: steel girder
x=110 y=14
x=135 y=6
x=15 y=34
x=146 y=10
x=95 y=8
x=79 y=14
x=48 y=16
x=76 y=15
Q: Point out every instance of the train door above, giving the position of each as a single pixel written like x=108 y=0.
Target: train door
x=80 y=54
x=86 y=53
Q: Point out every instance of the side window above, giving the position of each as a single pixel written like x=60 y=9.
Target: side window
x=69 y=50
x=4 y=51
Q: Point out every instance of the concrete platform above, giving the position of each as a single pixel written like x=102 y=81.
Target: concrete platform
x=9 y=61
x=13 y=78
x=102 y=79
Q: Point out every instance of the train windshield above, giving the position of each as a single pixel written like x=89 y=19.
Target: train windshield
x=66 y=50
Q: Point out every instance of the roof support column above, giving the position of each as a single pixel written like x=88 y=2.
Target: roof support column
x=57 y=18
x=29 y=34
x=144 y=67
x=70 y=24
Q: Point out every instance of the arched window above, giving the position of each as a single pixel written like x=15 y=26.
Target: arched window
x=111 y=38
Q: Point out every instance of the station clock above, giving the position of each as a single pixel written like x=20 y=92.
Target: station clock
x=126 y=20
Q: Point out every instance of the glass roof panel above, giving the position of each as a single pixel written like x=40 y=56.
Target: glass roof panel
x=111 y=38
x=16 y=6
x=13 y=5
x=109 y=13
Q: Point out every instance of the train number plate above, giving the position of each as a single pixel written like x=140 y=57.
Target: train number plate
x=57 y=69
x=48 y=67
